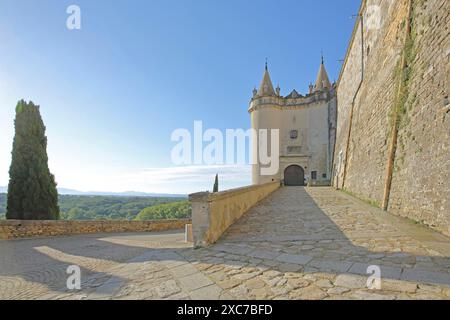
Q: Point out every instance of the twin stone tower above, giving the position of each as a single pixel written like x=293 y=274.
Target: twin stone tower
x=307 y=130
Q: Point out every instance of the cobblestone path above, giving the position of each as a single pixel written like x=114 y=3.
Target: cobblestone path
x=299 y=243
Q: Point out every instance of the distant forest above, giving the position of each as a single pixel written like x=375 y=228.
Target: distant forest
x=2 y=205
x=75 y=207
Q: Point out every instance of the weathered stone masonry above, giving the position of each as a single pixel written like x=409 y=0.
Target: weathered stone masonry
x=415 y=95
x=11 y=229
x=214 y=213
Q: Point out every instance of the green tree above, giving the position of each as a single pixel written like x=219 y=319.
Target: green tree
x=32 y=191
x=216 y=184
x=173 y=210
x=74 y=214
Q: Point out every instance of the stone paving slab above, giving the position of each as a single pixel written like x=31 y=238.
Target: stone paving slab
x=331 y=265
x=294 y=258
x=321 y=247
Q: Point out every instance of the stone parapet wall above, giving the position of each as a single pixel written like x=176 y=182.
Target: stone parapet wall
x=214 y=213
x=12 y=229
x=283 y=102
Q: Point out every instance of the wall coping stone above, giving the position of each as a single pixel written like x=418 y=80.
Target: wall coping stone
x=207 y=196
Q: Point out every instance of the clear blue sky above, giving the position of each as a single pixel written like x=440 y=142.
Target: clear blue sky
x=112 y=93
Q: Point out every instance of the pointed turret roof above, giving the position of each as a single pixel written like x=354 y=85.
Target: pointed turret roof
x=322 y=81
x=266 y=87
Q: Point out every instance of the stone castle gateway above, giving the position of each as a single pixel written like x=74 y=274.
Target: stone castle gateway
x=307 y=129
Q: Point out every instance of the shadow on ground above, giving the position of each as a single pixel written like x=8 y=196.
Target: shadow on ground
x=294 y=240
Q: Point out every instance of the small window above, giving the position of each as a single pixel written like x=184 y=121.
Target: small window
x=313 y=175
x=324 y=175
x=294 y=134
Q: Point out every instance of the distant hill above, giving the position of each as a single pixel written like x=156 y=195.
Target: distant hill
x=65 y=191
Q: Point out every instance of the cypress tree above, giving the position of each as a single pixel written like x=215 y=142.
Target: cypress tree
x=216 y=184
x=32 y=191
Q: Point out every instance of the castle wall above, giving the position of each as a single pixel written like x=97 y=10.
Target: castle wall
x=332 y=122
x=421 y=183
x=421 y=174
x=318 y=140
x=311 y=149
x=266 y=117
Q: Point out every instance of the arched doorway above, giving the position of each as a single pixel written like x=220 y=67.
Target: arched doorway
x=294 y=176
